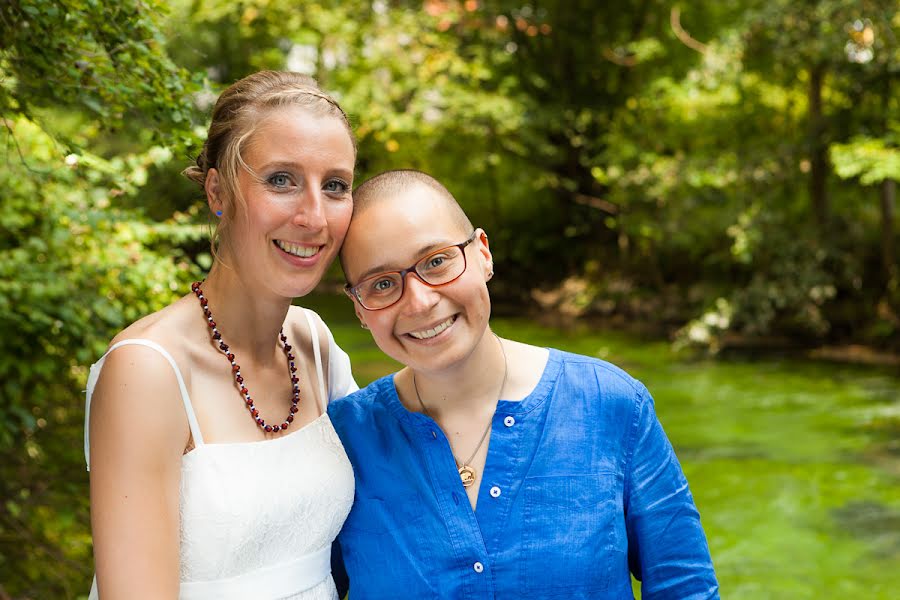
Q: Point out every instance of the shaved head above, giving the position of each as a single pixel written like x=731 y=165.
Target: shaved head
x=391 y=184
x=397 y=194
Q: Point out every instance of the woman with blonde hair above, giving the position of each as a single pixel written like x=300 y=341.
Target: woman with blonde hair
x=215 y=471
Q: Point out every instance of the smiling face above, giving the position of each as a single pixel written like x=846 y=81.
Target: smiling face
x=430 y=329
x=296 y=201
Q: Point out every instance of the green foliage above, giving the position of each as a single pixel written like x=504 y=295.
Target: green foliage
x=872 y=160
x=104 y=59
x=73 y=270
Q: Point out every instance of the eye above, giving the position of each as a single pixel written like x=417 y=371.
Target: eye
x=436 y=262
x=380 y=286
x=279 y=180
x=336 y=186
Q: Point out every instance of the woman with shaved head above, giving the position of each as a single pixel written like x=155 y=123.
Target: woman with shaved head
x=488 y=468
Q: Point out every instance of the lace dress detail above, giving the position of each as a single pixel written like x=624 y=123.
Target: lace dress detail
x=258 y=518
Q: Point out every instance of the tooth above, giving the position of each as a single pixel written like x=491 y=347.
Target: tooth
x=430 y=333
x=296 y=249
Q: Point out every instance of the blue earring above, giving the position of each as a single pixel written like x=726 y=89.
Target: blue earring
x=218 y=213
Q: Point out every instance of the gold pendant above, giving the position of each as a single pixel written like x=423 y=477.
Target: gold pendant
x=467 y=474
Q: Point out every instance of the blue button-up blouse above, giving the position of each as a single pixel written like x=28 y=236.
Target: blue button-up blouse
x=580 y=489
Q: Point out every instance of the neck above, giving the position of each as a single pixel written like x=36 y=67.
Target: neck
x=469 y=388
x=248 y=318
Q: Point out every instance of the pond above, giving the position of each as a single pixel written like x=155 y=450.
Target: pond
x=794 y=464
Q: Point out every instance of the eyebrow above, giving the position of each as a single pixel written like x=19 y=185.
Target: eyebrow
x=292 y=166
x=387 y=268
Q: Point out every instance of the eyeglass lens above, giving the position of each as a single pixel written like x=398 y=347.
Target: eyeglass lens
x=442 y=266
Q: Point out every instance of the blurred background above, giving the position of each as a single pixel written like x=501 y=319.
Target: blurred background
x=703 y=193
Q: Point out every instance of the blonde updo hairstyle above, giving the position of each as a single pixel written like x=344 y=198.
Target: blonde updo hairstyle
x=236 y=112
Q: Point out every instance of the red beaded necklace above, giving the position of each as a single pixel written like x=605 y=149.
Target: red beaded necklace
x=236 y=369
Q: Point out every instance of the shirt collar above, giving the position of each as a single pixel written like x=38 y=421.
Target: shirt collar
x=388 y=394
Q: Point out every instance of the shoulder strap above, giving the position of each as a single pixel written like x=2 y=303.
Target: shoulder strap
x=95 y=374
x=317 y=354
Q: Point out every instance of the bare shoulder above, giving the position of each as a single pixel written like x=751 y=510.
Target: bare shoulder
x=166 y=327
x=137 y=390
x=297 y=328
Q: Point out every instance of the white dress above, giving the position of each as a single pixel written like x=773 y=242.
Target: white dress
x=258 y=518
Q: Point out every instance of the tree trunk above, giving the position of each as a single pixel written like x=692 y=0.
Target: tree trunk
x=817 y=147
x=888 y=198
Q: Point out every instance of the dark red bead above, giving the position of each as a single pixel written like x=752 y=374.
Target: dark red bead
x=287 y=347
x=223 y=347
x=212 y=324
x=239 y=379
x=290 y=356
x=217 y=335
x=195 y=286
x=268 y=428
x=294 y=380
x=285 y=425
x=294 y=409
x=204 y=301
x=254 y=412
x=290 y=418
x=248 y=400
x=276 y=428
x=244 y=390
x=230 y=356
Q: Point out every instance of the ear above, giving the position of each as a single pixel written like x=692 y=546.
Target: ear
x=484 y=250
x=213 y=188
x=359 y=314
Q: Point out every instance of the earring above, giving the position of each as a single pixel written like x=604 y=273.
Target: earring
x=218 y=213
x=363 y=325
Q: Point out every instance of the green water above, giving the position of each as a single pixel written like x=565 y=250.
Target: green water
x=794 y=465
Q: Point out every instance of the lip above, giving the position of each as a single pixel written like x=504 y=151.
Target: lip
x=299 y=261
x=437 y=338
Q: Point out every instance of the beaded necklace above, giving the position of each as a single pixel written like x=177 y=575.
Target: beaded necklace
x=236 y=369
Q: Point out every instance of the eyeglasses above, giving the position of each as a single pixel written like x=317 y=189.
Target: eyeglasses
x=435 y=269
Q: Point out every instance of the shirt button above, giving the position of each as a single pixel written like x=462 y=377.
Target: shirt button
x=478 y=567
x=495 y=492
x=509 y=421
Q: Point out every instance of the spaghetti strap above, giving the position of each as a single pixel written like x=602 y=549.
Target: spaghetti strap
x=95 y=374
x=317 y=354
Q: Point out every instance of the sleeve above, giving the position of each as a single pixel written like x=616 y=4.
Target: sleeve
x=667 y=549
x=340 y=375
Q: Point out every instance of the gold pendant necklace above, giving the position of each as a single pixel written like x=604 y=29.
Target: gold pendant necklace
x=466 y=472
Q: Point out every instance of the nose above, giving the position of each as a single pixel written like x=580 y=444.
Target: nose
x=418 y=296
x=310 y=210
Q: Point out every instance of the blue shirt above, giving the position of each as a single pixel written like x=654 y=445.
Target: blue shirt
x=581 y=487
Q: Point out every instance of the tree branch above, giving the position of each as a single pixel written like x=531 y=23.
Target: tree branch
x=683 y=36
